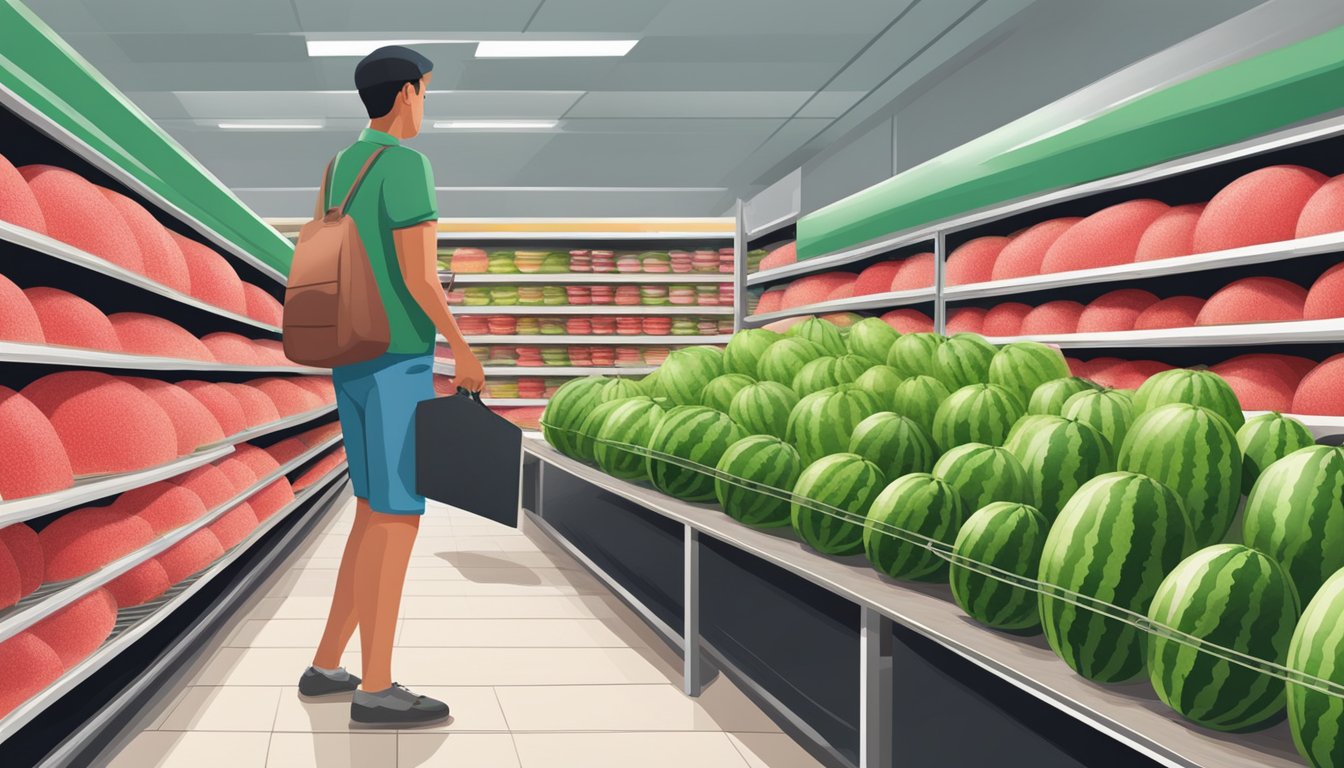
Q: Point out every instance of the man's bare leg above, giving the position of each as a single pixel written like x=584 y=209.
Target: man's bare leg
x=343 y=619
x=384 y=553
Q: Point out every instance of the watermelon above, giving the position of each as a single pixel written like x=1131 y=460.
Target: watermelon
x=1109 y=411
x=825 y=335
x=964 y=360
x=683 y=377
x=881 y=381
x=1264 y=440
x=763 y=408
x=918 y=399
x=1113 y=542
x=816 y=375
x=1194 y=452
x=634 y=422
x=694 y=433
x=919 y=504
x=983 y=474
x=1317 y=649
x=1295 y=514
x=1049 y=398
x=1025 y=429
x=567 y=409
x=1059 y=458
x=822 y=422
x=1232 y=597
x=782 y=360
x=1005 y=536
x=710 y=354
x=621 y=389
x=1023 y=366
x=719 y=392
x=897 y=445
x=871 y=338
x=1202 y=388
x=744 y=350
x=846 y=482
x=649 y=384
x=979 y=413
x=584 y=445
x=914 y=354
x=758 y=459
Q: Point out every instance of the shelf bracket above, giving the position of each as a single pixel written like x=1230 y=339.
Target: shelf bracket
x=875 y=689
x=693 y=666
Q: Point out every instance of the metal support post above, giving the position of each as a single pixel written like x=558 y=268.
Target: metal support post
x=875 y=690
x=693 y=682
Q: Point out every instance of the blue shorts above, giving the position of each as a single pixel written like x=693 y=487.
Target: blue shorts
x=376 y=401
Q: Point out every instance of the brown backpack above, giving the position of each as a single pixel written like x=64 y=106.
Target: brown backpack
x=334 y=314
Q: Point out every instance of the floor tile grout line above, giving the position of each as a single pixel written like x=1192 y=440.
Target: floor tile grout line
x=509 y=728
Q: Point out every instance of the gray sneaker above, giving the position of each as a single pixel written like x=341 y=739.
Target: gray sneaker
x=395 y=707
x=316 y=684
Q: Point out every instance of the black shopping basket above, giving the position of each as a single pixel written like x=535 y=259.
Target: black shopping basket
x=469 y=457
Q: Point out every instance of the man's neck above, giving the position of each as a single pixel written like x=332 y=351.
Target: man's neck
x=393 y=126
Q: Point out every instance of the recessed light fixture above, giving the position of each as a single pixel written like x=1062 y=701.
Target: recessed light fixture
x=530 y=49
x=496 y=125
x=265 y=126
x=365 y=47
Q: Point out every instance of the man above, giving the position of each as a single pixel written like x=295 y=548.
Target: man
x=396 y=215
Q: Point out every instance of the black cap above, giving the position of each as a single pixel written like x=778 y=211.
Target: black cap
x=391 y=64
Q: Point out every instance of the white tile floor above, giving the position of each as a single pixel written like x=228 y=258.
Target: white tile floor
x=542 y=667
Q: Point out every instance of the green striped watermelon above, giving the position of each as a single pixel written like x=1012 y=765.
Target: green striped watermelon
x=1008 y=537
x=1109 y=411
x=978 y=413
x=1264 y=440
x=920 y=504
x=649 y=384
x=633 y=422
x=918 y=399
x=1059 y=458
x=1025 y=429
x=881 y=381
x=682 y=378
x=851 y=367
x=983 y=474
x=1295 y=514
x=1194 y=452
x=823 y=422
x=1049 y=398
x=720 y=391
x=1113 y=542
x=845 y=482
x=782 y=360
x=694 y=433
x=871 y=338
x=712 y=355
x=1232 y=597
x=816 y=375
x=744 y=350
x=825 y=335
x=583 y=444
x=1023 y=366
x=566 y=410
x=914 y=354
x=763 y=408
x=1202 y=388
x=761 y=459
x=1316 y=716
x=964 y=360
x=897 y=445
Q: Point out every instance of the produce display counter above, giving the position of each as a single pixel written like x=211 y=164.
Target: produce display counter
x=863 y=670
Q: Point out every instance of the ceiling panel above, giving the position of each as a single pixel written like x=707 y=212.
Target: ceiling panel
x=410 y=16
x=167 y=16
x=596 y=16
x=771 y=17
x=675 y=104
x=923 y=22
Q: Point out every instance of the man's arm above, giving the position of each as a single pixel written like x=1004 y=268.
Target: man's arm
x=416 y=255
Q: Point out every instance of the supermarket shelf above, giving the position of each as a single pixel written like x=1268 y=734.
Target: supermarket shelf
x=45 y=354
x=76 y=145
x=134 y=623
x=841 y=258
x=504 y=402
x=596 y=340
x=589 y=278
x=592 y=309
x=591 y=236
x=281 y=425
x=1295 y=332
x=890 y=300
x=102 y=486
x=40 y=243
x=1236 y=257
x=53 y=597
x=509 y=371
x=772 y=226
x=1129 y=714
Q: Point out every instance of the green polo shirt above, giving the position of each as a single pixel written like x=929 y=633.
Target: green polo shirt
x=397 y=192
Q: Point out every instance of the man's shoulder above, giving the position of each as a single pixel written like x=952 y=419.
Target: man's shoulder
x=404 y=160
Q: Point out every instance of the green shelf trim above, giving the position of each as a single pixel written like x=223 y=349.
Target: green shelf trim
x=44 y=71
x=1028 y=156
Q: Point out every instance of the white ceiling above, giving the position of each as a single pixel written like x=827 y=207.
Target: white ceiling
x=716 y=96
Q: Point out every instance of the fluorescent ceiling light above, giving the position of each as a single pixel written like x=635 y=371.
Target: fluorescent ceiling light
x=265 y=126
x=365 y=47
x=527 y=49
x=499 y=125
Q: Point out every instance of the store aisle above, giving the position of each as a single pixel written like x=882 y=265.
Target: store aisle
x=542 y=666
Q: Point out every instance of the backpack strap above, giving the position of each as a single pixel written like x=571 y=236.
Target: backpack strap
x=326 y=186
x=345 y=204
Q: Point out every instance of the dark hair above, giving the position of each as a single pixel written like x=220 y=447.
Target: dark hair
x=378 y=99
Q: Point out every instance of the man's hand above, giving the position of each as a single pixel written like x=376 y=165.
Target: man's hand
x=467 y=371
